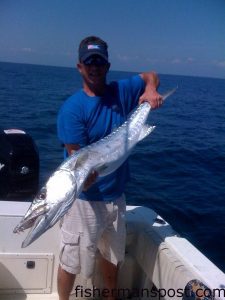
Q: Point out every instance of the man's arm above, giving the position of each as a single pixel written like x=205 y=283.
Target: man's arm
x=150 y=94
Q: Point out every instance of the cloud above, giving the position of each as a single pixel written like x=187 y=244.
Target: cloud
x=155 y=60
x=127 y=58
x=221 y=64
x=27 y=49
x=176 y=61
x=190 y=59
x=218 y=63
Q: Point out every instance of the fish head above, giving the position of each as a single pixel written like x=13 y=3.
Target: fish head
x=60 y=187
x=59 y=194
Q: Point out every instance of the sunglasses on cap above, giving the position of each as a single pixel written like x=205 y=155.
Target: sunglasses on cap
x=97 y=61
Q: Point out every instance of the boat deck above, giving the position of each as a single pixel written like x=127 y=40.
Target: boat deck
x=157 y=261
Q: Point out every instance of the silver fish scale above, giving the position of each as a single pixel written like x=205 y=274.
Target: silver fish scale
x=110 y=152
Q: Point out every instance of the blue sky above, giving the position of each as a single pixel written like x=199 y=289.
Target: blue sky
x=185 y=37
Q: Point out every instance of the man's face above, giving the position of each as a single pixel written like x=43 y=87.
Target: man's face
x=94 y=70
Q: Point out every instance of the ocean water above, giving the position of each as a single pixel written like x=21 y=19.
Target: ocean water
x=179 y=170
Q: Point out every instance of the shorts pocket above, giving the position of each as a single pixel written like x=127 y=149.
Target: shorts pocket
x=70 y=250
x=70 y=238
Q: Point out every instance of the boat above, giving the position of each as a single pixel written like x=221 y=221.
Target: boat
x=159 y=263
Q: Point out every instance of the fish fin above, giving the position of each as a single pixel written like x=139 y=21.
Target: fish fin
x=146 y=130
x=81 y=158
x=101 y=168
x=169 y=93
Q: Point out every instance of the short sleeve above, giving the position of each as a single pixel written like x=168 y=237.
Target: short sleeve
x=70 y=124
x=130 y=91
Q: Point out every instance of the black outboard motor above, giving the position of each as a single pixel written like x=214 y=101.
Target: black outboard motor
x=19 y=165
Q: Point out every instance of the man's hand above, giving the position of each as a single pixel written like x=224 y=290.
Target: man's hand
x=152 y=97
x=90 y=180
x=150 y=94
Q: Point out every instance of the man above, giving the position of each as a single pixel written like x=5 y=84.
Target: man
x=96 y=220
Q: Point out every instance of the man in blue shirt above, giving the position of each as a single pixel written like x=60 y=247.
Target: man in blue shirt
x=96 y=220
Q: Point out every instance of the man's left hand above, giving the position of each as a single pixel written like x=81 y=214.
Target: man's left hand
x=152 y=97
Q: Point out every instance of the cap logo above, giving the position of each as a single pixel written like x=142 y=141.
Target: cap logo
x=91 y=47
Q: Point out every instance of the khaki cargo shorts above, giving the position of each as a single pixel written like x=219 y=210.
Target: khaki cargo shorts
x=92 y=225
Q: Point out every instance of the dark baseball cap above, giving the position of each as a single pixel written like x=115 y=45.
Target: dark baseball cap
x=91 y=49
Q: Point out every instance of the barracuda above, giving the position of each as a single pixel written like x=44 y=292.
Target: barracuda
x=66 y=183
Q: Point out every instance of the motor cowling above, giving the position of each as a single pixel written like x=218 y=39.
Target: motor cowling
x=19 y=165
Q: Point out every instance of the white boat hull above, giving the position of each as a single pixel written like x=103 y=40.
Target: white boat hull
x=157 y=261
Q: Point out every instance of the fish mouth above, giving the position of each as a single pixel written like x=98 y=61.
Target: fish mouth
x=43 y=222
x=30 y=219
x=30 y=237
x=23 y=226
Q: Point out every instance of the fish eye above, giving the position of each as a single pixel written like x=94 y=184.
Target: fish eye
x=42 y=194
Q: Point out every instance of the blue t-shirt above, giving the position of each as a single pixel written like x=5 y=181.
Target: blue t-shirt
x=84 y=120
